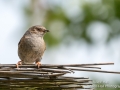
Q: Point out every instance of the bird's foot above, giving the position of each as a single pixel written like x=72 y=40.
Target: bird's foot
x=38 y=64
x=19 y=63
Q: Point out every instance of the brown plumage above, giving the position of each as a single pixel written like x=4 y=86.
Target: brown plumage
x=32 y=46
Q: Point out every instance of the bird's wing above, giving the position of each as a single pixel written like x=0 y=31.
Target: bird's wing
x=20 y=41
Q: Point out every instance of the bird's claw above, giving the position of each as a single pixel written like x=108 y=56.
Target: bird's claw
x=38 y=64
x=19 y=63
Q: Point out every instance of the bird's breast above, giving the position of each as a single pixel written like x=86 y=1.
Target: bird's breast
x=31 y=49
x=32 y=44
x=36 y=43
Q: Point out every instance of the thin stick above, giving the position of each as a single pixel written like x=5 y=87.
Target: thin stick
x=101 y=71
x=48 y=65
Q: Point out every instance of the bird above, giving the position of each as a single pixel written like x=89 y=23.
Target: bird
x=31 y=46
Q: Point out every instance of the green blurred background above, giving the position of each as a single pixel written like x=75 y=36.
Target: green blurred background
x=81 y=31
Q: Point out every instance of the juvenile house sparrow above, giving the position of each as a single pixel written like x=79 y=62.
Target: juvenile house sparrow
x=32 y=46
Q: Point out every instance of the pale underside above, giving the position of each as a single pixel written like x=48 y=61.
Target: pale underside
x=31 y=49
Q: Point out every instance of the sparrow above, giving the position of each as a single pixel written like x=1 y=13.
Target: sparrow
x=31 y=46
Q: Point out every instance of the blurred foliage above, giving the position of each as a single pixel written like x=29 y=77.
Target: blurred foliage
x=66 y=26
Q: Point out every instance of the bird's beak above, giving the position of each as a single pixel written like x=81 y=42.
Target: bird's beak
x=47 y=31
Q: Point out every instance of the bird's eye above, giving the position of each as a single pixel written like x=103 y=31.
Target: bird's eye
x=38 y=29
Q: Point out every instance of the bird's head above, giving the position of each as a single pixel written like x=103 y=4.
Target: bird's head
x=38 y=30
